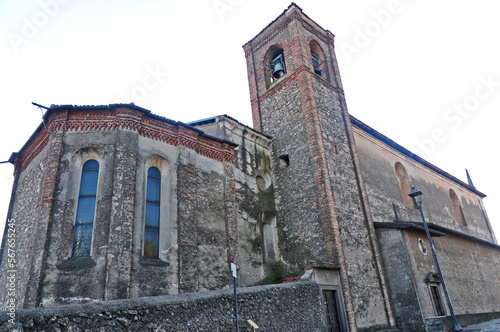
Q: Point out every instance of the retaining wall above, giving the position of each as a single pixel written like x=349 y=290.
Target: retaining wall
x=287 y=307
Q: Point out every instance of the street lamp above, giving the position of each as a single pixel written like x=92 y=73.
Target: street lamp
x=416 y=196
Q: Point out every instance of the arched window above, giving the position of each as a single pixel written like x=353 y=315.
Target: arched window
x=318 y=60
x=152 y=224
x=274 y=64
x=84 y=224
x=457 y=207
x=404 y=184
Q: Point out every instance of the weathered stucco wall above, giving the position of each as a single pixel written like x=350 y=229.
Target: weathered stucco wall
x=197 y=193
x=470 y=270
x=378 y=167
x=203 y=242
x=400 y=281
x=152 y=277
x=289 y=307
x=258 y=254
x=470 y=267
x=67 y=279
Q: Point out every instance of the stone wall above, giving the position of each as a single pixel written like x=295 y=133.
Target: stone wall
x=25 y=218
x=287 y=307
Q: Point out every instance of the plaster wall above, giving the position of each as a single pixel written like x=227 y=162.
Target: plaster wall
x=470 y=268
x=378 y=161
x=400 y=280
x=151 y=277
x=202 y=220
x=67 y=279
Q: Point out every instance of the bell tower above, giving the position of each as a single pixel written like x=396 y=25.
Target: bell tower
x=297 y=98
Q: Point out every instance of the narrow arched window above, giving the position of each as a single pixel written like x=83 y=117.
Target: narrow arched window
x=152 y=224
x=318 y=60
x=85 y=214
x=459 y=213
x=404 y=184
x=274 y=64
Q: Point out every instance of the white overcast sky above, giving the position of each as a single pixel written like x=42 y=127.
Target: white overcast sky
x=424 y=73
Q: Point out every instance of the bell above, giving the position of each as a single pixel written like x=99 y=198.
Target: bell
x=278 y=70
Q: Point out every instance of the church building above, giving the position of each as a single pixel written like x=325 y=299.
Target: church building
x=114 y=202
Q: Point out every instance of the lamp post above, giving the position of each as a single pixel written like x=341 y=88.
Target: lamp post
x=416 y=196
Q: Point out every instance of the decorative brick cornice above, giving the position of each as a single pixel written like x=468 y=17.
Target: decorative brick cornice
x=36 y=146
x=57 y=121
x=128 y=119
x=265 y=36
x=159 y=131
x=98 y=119
x=91 y=121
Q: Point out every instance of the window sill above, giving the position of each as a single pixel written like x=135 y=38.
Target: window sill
x=150 y=262
x=278 y=81
x=77 y=263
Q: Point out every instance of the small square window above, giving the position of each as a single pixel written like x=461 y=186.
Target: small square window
x=284 y=161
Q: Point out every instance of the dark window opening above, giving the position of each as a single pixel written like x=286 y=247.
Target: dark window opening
x=152 y=224
x=284 y=161
x=331 y=311
x=315 y=63
x=436 y=300
x=84 y=224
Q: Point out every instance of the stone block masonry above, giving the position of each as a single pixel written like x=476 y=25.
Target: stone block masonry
x=287 y=307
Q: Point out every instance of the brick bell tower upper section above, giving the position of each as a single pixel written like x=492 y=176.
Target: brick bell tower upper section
x=284 y=51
